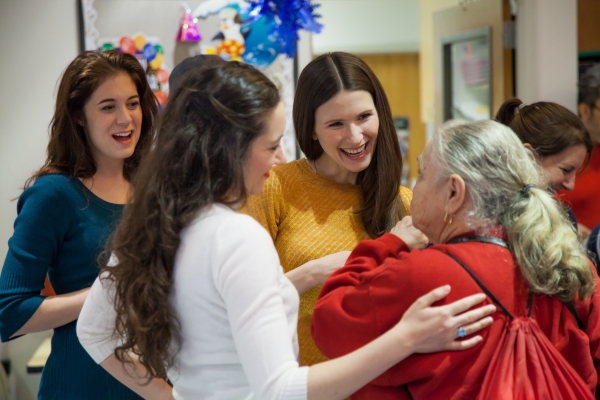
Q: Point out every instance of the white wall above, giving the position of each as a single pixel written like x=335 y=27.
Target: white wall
x=368 y=26
x=38 y=38
x=547 y=52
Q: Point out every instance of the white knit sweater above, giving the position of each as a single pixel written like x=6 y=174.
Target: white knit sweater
x=237 y=310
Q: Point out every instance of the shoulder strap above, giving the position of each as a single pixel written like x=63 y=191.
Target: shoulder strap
x=481 y=285
x=570 y=305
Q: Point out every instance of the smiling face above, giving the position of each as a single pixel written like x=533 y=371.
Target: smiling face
x=265 y=152
x=113 y=119
x=562 y=167
x=346 y=127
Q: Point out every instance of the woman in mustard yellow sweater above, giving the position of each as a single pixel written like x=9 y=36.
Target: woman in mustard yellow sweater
x=347 y=188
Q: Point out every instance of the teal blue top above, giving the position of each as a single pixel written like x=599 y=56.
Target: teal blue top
x=60 y=230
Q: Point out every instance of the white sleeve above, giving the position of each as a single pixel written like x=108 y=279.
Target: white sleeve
x=248 y=279
x=97 y=321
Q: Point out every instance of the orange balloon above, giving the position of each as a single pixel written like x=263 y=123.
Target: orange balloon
x=162 y=76
x=126 y=44
x=161 y=97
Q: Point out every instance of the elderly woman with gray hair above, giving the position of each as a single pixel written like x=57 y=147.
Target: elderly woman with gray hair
x=482 y=201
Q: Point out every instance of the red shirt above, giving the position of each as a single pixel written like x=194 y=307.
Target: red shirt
x=584 y=200
x=382 y=278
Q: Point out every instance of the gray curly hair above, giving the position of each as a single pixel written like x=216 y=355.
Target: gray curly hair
x=495 y=167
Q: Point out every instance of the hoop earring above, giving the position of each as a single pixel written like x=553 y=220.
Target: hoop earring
x=447 y=221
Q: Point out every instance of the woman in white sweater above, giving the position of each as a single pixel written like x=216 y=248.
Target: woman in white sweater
x=198 y=294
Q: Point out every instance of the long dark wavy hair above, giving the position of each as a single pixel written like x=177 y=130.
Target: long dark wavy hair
x=197 y=159
x=69 y=150
x=548 y=127
x=320 y=80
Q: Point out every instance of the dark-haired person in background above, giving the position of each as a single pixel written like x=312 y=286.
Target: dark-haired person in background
x=557 y=137
x=101 y=127
x=585 y=198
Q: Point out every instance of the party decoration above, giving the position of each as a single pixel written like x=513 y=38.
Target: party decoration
x=161 y=97
x=162 y=76
x=150 y=54
x=288 y=16
x=127 y=45
x=140 y=42
x=188 y=27
x=107 y=46
x=232 y=35
x=262 y=46
x=156 y=62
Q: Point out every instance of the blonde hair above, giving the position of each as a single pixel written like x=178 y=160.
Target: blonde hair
x=496 y=167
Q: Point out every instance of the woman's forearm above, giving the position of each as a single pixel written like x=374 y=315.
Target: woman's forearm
x=341 y=377
x=302 y=277
x=133 y=375
x=55 y=311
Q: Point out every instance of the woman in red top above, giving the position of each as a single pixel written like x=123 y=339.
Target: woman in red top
x=476 y=180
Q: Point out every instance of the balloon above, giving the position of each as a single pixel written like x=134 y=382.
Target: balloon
x=162 y=75
x=107 y=46
x=161 y=97
x=126 y=44
x=139 y=42
x=149 y=52
x=262 y=44
x=157 y=62
x=159 y=49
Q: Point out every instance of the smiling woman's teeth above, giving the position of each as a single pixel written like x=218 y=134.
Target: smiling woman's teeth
x=355 y=152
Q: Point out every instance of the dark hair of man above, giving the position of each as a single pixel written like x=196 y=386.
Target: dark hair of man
x=197 y=159
x=589 y=86
x=548 y=127
x=68 y=150
x=323 y=78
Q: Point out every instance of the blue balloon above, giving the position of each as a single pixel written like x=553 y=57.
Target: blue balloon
x=149 y=52
x=262 y=43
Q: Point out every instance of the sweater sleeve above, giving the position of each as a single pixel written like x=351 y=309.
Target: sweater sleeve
x=96 y=322
x=345 y=303
x=266 y=207
x=43 y=218
x=251 y=282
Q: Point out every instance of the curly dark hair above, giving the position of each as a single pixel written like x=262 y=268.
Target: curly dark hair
x=197 y=159
x=68 y=150
x=320 y=80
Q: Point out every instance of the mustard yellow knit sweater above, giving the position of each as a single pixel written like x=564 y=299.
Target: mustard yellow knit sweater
x=309 y=216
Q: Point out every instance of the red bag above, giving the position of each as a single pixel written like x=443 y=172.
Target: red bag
x=526 y=365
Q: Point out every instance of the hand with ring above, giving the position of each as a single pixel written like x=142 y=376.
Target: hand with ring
x=433 y=329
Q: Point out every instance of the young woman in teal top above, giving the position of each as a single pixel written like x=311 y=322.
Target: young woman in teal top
x=101 y=126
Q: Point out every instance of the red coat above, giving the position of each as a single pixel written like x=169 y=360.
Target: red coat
x=584 y=198
x=382 y=278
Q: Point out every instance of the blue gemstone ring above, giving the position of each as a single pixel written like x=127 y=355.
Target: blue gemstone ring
x=462 y=332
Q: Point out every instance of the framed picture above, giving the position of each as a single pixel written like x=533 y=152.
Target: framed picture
x=466 y=61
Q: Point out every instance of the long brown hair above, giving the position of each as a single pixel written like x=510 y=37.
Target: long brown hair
x=323 y=78
x=197 y=159
x=68 y=151
x=548 y=127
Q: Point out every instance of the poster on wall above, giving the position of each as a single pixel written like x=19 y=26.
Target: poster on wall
x=261 y=33
x=466 y=60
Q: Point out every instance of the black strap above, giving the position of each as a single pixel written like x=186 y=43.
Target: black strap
x=481 y=285
x=500 y=242
x=479 y=238
x=573 y=311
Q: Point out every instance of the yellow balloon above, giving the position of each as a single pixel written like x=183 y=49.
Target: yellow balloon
x=157 y=62
x=140 y=42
